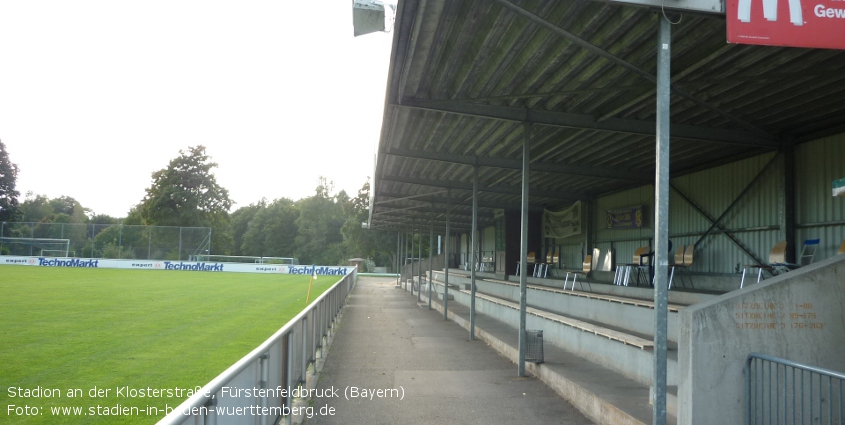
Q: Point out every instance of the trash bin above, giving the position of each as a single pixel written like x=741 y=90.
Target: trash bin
x=534 y=346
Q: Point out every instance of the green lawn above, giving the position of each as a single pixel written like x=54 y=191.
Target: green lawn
x=80 y=328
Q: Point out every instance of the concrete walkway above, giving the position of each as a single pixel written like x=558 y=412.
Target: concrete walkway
x=386 y=342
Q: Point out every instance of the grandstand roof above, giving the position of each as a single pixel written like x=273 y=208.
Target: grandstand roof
x=465 y=75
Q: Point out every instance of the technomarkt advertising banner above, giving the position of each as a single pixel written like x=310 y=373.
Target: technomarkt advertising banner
x=794 y=23
x=204 y=266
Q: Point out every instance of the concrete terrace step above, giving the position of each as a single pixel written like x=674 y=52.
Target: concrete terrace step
x=615 y=335
x=603 y=395
x=614 y=347
x=677 y=296
x=612 y=298
x=629 y=315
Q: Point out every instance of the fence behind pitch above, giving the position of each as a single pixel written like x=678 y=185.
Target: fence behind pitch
x=115 y=241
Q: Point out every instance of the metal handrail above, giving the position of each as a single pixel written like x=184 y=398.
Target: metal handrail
x=787 y=396
x=328 y=304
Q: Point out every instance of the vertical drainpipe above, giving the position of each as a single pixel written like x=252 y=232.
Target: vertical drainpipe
x=523 y=249
x=473 y=253
x=661 y=219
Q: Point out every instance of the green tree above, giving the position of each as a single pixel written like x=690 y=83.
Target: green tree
x=186 y=193
x=272 y=230
x=35 y=208
x=365 y=243
x=8 y=193
x=240 y=220
x=321 y=217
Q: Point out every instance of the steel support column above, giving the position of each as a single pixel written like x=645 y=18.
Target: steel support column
x=419 y=266
x=473 y=253
x=430 y=255
x=413 y=228
x=398 y=256
x=661 y=220
x=788 y=199
x=523 y=250
x=446 y=265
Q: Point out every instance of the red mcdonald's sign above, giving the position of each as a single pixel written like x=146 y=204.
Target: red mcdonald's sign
x=795 y=23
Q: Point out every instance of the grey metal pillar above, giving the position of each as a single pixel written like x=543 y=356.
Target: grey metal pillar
x=413 y=227
x=446 y=257
x=472 y=253
x=430 y=255
x=398 y=256
x=661 y=220
x=419 y=267
x=523 y=249
x=788 y=202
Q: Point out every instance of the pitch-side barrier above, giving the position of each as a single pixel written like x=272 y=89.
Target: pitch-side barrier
x=205 y=266
x=260 y=387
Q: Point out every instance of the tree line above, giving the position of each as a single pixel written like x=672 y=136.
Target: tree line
x=324 y=228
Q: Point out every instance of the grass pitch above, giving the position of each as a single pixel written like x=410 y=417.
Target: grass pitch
x=84 y=328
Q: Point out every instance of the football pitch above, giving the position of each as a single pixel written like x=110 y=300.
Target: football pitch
x=82 y=330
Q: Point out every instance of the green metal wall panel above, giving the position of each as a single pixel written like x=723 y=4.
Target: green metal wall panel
x=818 y=213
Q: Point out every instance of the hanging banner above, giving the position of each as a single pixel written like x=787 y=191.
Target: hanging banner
x=625 y=218
x=793 y=23
x=563 y=223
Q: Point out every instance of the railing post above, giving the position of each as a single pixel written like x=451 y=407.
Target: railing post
x=314 y=343
x=263 y=383
x=211 y=418
x=304 y=347
x=289 y=376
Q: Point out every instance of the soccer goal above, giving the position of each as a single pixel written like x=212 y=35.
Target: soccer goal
x=247 y=259
x=44 y=247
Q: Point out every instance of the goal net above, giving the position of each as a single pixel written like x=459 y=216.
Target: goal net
x=44 y=247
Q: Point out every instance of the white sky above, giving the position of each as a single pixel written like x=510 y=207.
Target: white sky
x=97 y=95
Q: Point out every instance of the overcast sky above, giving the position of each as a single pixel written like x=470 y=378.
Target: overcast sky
x=96 y=95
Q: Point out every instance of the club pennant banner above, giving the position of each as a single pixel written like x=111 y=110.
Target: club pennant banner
x=625 y=218
x=563 y=223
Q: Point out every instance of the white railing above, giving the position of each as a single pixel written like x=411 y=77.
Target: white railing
x=257 y=389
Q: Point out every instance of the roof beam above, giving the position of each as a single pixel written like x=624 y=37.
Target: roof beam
x=515 y=164
x=611 y=89
x=578 y=41
x=589 y=122
x=511 y=190
x=458 y=201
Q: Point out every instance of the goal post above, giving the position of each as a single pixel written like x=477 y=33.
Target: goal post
x=35 y=246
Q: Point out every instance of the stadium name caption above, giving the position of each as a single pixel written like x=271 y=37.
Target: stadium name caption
x=123 y=391
x=350 y=392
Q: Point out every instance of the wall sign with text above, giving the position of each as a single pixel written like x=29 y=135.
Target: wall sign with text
x=625 y=218
x=793 y=23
